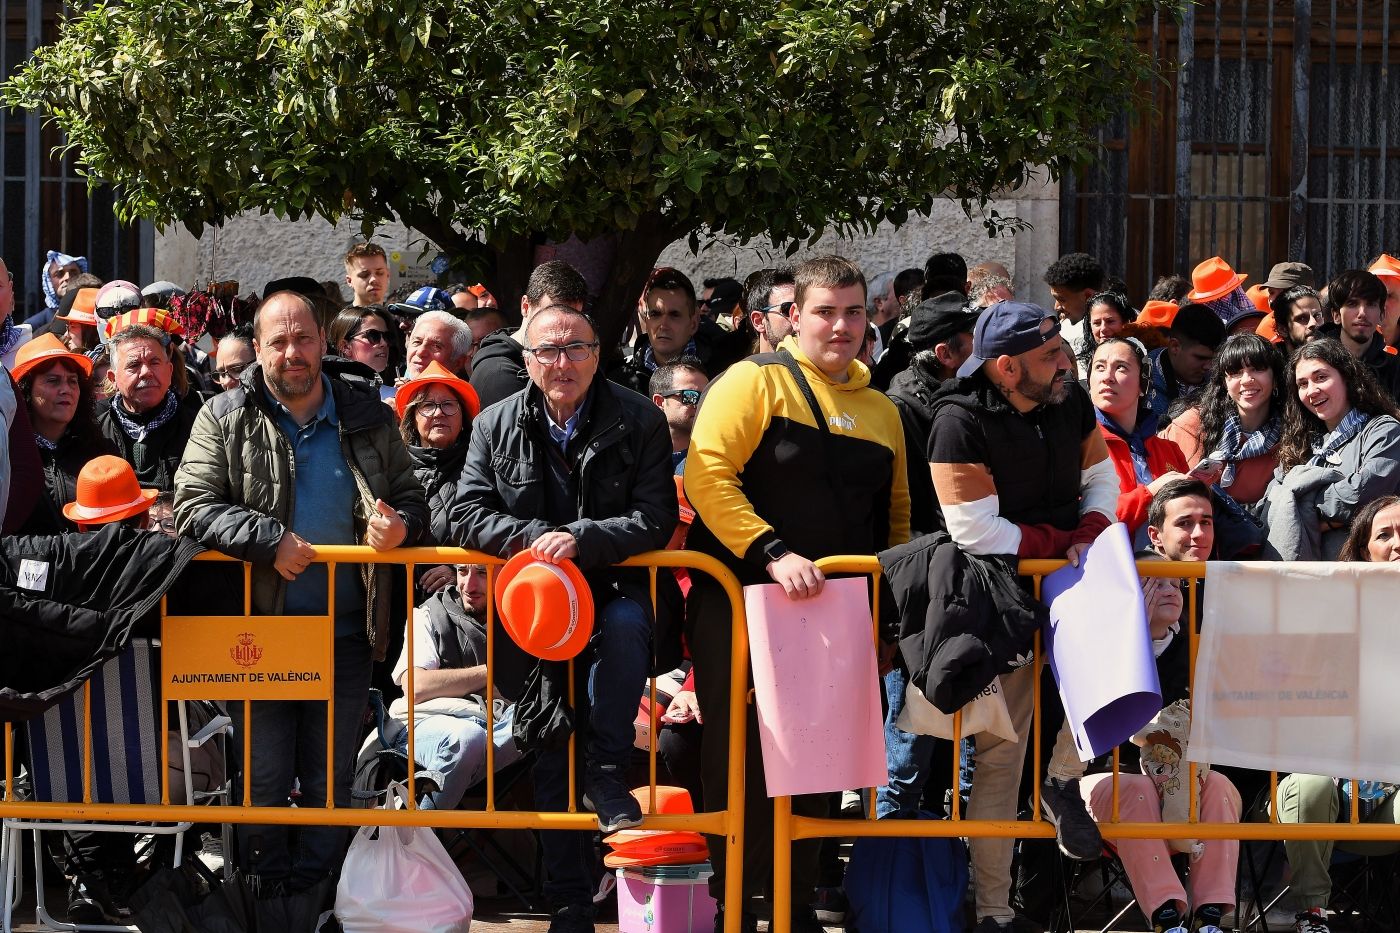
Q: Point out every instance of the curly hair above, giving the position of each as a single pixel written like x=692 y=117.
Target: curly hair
x=1236 y=353
x=1075 y=270
x=1359 y=537
x=1301 y=426
x=83 y=428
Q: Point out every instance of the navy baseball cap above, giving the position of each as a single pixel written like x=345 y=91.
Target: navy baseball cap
x=1008 y=328
x=426 y=298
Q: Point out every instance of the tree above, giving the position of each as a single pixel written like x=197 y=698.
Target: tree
x=490 y=126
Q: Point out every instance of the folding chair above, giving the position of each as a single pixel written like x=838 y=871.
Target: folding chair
x=1110 y=873
x=380 y=762
x=125 y=764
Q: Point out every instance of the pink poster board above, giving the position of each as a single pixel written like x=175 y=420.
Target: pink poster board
x=818 y=693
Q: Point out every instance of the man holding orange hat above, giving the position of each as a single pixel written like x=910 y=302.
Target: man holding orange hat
x=567 y=477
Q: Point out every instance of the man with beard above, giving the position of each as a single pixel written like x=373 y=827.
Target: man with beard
x=768 y=295
x=676 y=389
x=1020 y=468
x=290 y=457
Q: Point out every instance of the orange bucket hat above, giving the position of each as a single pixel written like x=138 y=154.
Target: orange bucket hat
x=107 y=492
x=1157 y=314
x=84 y=309
x=1214 y=279
x=1387 y=265
x=547 y=609
x=436 y=372
x=43 y=349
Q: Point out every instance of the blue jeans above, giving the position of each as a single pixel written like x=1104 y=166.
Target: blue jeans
x=906 y=754
x=289 y=744
x=613 y=670
x=455 y=746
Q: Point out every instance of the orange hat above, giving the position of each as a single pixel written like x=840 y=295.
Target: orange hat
x=107 y=492
x=547 y=609
x=436 y=372
x=151 y=317
x=1268 y=329
x=84 y=309
x=656 y=847
x=1259 y=297
x=1157 y=314
x=1214 y=279
x=41 y=350
x=1386 y=266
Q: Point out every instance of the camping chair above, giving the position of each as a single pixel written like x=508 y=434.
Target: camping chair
x=128 y=745
x=1073 y=912
x=380 y=763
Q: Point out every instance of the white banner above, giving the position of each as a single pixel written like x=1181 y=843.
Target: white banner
x=1297 y=669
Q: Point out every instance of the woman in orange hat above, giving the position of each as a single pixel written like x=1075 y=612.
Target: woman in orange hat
x=56 y=385
x=435 y=421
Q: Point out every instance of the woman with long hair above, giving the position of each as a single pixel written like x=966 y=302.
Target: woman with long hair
x=56 y=386
x=1105 y=316
x=1231 y=437
x=1144 y=461
x=363 y=335
x=1340 y=450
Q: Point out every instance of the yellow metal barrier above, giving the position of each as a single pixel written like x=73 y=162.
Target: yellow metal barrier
x=202 y=640
x=788 y=827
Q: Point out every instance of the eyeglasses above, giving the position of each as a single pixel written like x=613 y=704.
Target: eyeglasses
x=782 y=307
x=576 y=352
x=165 y=524
x=231 y=372
x=372 y=337
x=446 y=409
x=687 y=396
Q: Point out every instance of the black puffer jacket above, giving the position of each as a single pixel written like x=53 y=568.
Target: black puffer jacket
x=912 y=392
x=439 y=472
x=68 y=604
x=61 y=469
x=962 y=619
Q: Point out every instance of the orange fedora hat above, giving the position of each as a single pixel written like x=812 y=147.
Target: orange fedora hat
x=1387 y=265
x=436 y=372
x=657 y=847
x=1214 y=279
x=107 y=492
x=547 y=609
x=83 y=310
x=1259 y=297
x=43 y=349
x=1157 y=314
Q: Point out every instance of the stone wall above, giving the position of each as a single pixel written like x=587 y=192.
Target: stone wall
x=253 y=249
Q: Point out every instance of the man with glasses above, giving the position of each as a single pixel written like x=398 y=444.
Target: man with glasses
x=576 y=468
x=675 y=389
x=768 y=295
x=233 y=355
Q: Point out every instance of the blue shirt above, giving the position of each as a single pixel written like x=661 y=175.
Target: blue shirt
x=323 y=512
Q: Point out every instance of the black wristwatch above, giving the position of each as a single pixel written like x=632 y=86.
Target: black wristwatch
x=775 y=550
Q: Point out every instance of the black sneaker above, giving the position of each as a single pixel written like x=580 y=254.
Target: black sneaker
x=1075 y=830
x=606 y=794
x=572 y=919
x=1311 y=921
x=831 y=906
x=748 y=923
x=89 y=902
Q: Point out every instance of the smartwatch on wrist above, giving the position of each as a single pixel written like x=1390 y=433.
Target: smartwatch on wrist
x=775 y=550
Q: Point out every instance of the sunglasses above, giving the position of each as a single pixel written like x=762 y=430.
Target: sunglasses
x=372 y=337
x=687 y=396
x=230 y=372
x=782 y=307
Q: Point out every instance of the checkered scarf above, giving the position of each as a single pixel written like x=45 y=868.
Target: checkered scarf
x=1235 y=445
x=137 y=431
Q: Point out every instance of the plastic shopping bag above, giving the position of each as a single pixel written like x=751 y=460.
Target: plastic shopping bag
x=400 y=879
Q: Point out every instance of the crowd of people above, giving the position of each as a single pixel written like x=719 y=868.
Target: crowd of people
x=803 y=413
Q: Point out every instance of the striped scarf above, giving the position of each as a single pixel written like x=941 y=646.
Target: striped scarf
x=138 y=431
x=1328 y=444
x=1235 y=445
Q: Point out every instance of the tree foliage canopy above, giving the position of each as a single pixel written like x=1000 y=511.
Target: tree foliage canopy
x=524 y=118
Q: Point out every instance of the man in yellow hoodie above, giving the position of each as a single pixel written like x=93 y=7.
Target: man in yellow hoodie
x=793 y=457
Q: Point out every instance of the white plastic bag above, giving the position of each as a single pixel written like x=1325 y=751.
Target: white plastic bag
x=400 y=879
x=985 y=712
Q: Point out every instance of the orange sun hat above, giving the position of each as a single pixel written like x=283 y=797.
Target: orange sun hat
x=1214 y=279
x=436 y=372
x=1157 y=314
x=657 y=847
x=43 y=349
x=547 y=609
x=107 y=492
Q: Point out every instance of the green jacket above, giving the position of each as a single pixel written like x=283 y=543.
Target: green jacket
x=235 y=486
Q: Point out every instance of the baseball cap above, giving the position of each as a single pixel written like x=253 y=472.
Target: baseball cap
x=937 y=320
x=1289 y=274
x=1008 y=328
x=423 y=299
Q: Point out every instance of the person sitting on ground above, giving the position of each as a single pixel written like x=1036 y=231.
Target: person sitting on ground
x=1315 y=798
x=1180 y=369
x=1144 y=462
x=1180 y=528
x=436 y=411
x=56 y=387
x=449 y=691
x=1340 y=449
x=1233 y=433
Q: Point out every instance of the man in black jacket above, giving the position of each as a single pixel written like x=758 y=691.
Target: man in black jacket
x=147 y=419
x=498 y=365
x=575 y=468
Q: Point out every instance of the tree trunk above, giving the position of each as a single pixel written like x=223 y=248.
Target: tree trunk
x=637 y=252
